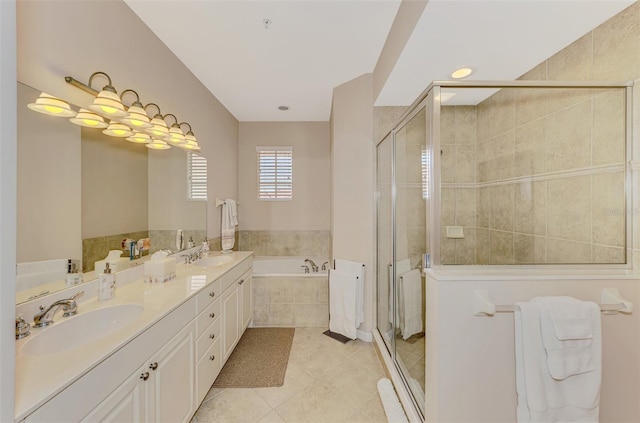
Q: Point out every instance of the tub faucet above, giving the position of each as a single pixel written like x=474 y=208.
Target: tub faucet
x=314 y=267
x=70 y=308
x=324 y=265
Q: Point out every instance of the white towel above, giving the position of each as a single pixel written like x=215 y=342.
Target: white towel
x=342 y=303
x=402 y=266
x=358 y=270
x=540 y=397
x=229 y=222
x=411 y=305
x=567 y=336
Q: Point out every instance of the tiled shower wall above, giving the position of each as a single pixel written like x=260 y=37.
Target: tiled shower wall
x=285 y=243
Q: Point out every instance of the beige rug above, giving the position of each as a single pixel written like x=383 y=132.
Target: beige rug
x=259 y=360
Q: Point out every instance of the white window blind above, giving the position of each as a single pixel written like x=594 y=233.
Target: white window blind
x=275 y=173
x=196 y=177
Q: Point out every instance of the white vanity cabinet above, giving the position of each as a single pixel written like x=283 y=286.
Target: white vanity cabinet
x=162 y=390
x=163 y=373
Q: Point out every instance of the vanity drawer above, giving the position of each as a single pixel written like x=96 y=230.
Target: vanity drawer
x=208 y=337
x=207 y=370
x=208 y=316
x=207 y=295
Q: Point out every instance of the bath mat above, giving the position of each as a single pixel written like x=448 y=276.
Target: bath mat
x=259 y=360
x=413 y=338
x=337 y=336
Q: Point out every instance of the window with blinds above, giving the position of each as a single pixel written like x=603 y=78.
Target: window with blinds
x=275 y=173
x=196 y=177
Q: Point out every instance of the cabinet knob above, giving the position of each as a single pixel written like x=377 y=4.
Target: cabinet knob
x=212 y=315
x=212 y=357
x=153 y=365
x=144 y=376
x=241 y=282
x=213 y=335
x=212 y=294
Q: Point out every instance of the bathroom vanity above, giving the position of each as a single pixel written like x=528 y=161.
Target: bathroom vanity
x=152 y=356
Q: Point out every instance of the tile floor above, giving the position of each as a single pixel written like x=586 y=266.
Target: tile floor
x=326 y=381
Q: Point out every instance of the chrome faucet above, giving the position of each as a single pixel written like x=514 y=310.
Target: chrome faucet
x=190 y=258
x=324 y=265
x=70 y=307
x=314 y=267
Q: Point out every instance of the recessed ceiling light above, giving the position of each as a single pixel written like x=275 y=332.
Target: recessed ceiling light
x=462 y=73
x=283 y=108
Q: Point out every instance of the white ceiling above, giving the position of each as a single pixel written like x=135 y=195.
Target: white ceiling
x=310 y=48
x=313 y=46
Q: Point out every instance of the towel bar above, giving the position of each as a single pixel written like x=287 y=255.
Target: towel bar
x=220 y=202
x=611 y=303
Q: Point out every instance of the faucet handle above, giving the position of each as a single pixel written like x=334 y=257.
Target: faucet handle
x=22 y=327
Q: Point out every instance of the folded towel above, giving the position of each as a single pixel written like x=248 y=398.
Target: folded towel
x=411 y=305
x=342 y=303
x=358 y=270
x=567 y=335
x=541 y=398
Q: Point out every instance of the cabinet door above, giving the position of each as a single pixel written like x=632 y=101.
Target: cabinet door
x=127 y=404
x=231 y=323
x=173 y=379
x=246 y=297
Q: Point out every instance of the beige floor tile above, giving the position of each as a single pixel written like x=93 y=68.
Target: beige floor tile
x=233 y=405
x=374 y=409
x=353 y=383
x=296 y=379
x=212 y=393
x=368 y=357
x=272 y=417
x=316 y=403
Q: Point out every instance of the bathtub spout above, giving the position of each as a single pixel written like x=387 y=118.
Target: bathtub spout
x=314 y=267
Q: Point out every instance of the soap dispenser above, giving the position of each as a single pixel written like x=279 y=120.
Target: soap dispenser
x=106 y=284
x=191 y=244
x=73 y=277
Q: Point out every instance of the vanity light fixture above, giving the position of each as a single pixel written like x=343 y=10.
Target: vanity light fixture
x=107 y=103
x=191 y=143
x=159 y=127
x=175 y=133
x=157 y=144
x=50 y=105
x=118 y=130
x=462 y=73
x=139 y=138
x=136 y=117
x=89 y=119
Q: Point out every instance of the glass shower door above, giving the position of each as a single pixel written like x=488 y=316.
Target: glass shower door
x=411 y=170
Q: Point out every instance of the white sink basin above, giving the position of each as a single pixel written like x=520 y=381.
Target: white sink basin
x=213 y=261
x=82 y=329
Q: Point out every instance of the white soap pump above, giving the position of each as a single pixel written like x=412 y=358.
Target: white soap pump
x=106 y=284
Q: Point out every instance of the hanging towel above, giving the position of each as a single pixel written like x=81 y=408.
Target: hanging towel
x=402 y=266
x=541 y=398
x=411 y=295
x=342 y=303
x=358 y=270
x=229 y=222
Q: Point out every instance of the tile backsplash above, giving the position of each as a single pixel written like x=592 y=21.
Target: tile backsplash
x=285 y=243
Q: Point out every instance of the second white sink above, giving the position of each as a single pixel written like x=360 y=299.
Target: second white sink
x=82 y=329
x=213 y=261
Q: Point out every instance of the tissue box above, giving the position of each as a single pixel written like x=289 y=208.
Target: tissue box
x=160 y=270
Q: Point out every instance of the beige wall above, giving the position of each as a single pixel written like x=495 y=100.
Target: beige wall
x=150 y=68
x=309 y=209
x=49 y=221
x=169 y=207
x=352 y=176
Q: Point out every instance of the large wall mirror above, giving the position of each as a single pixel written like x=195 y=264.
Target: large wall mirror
x=81 y=193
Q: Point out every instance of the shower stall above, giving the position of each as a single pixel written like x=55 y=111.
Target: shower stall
x=496 y=176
